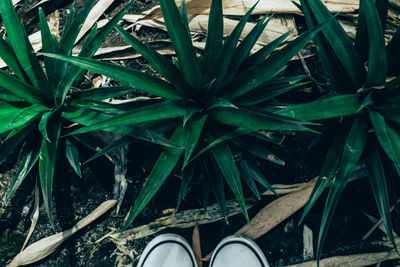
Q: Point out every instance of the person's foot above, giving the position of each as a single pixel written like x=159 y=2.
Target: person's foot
x=167 y=250
x=236 y=251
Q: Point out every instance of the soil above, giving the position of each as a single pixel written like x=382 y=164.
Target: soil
x=75 y=198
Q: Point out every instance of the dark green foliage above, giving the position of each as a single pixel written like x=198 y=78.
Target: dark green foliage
x=208 y=103
x=367 y=97
x=35 y=102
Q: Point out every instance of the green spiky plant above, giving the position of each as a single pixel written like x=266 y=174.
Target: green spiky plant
x=37 y=103
x=365 y=92
x=213 y=103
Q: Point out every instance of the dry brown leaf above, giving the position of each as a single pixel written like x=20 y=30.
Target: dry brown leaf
x=96 y=12
x=34 y=217
x=276 y=212
x=199 y=24
x=283 y=189
x=395 y=3
x=357 y=260
x=275 y=28
x=183 y=219
x=48 y=245
x=240 y=7
x=308 y=246
x=196 y=245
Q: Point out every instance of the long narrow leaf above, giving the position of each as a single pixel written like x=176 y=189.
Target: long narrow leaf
x=224 y=159
x=47 y=161
x=388 y=142
x=15 y=32
x=268 y=69
x=353 y=149
x=72 y=154
x=139 y=80
x=88 y=50
x=379 y=186
x=214 y=33
x=27 y=164
x=256 y=121
x=329 y=168
x=161 y=64
x=224 y=58
x=377 y=52
x=163 y=110
x=8 y=56
x=192 y=134
x=340 y=42
x=182 y=43
x=162 y=169
x=325 y=108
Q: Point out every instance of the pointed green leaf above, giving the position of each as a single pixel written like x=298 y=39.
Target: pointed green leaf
x=72 y=154
x=267 y=91
x=324 y=108
x=335 y=73
x=75 y=24
x=13 y=140
x=21 y=117
x=8 y=56
x=251 y=146
x=224 y=159
x=89 y=48
x=221 y=64
x=161 y=64
x=162 y=169
x=244 y=48
x=50 y=44
x=20 y=88
x=158 y=111
x=15 y=32
x=182 y=43
x=339 y=41
x=102 y=93
x=248 y=178
x=377 y=53
x=192 y=133
x=388 y=141
x=187 y=176
x=268 y=69
x=377 y=179
x=43 y=124
x=27 y=164
x=140 y=80
x=47 y=161
x=353 y=149
x=228 y=136
x=256 y=121
x=329 y=168
x=214 y=33
x=264 y=52
x=126 y=140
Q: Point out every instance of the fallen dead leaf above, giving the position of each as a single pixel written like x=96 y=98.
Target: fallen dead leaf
x=356 y=260
x=48 y=245
x=96 y=12
x=196 y=246
x=276 y=212
x=240 y=7
x=183 y=219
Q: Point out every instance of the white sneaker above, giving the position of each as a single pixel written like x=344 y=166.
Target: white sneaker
x=167 y=250
x=236 y=251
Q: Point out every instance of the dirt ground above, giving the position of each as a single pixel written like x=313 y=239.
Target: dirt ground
x=75 y=198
